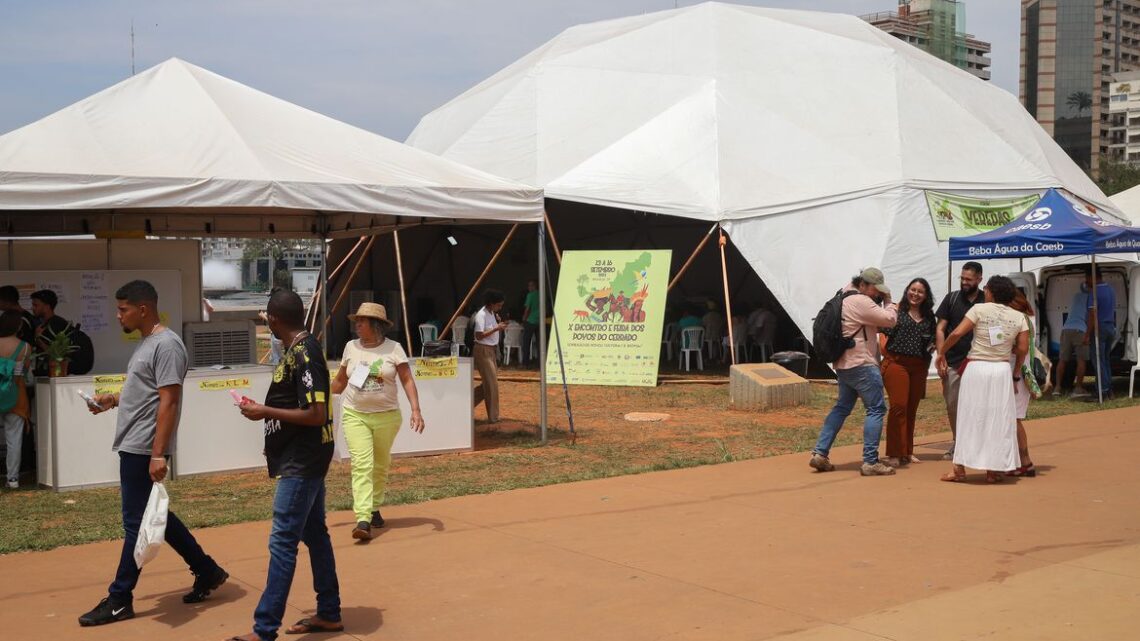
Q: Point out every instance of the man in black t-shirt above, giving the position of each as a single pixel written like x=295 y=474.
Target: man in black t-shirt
x=44 y=302
x=10 y=302
x=298 y=448
x=950 y=313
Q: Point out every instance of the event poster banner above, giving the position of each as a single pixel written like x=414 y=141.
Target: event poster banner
x=609 y=309
x=956 y=216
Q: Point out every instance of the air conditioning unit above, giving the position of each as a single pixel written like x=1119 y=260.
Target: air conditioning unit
x=221 y=343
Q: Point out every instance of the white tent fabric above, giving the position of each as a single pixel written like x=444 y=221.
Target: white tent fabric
x=1128 y=201
x=810 y=136
x=180 y=137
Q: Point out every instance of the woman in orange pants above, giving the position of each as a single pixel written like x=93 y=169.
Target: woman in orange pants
x=906 y=363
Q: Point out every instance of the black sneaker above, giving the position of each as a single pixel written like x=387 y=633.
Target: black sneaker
x=204 y=584
x=377 y=520
x=107 y=612
x=362 y=531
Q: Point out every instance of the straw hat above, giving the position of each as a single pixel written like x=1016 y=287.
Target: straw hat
x=371 y=310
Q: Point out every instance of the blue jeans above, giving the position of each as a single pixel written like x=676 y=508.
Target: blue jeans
x=134 y=486
x=865 y=382
x=298 y=515
x=1107 y=336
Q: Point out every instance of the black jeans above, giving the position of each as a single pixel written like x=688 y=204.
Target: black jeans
x=134 y=485
x=530 y=330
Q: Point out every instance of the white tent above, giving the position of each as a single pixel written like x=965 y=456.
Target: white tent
x=810 y=136
x=178 y=147
x=1128 y=201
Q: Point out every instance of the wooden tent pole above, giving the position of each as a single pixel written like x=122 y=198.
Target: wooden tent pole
x=479 y=281
x=347 y=285
x=311 y=314
x=693 y=256
x=727 y=299
x=403 y=294
x=553 y=240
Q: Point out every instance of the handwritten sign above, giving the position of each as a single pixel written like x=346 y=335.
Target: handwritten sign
x=96 y=304
x=223 y=384
x=442 y=367
x=109 y=383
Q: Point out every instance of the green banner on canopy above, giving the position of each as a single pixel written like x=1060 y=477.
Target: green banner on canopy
x=609 y=311
x=955 y=216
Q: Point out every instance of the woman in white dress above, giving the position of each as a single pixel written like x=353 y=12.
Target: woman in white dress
x=987 y=408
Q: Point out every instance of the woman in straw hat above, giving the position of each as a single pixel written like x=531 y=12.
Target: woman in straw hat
x=371 y=411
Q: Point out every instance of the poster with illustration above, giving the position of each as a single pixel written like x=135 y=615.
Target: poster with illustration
x=609 y=309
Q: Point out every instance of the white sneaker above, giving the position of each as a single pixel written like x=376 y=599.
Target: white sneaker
x=13 y=485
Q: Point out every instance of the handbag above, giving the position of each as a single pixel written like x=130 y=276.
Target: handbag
x=1040 y=374
x=152 y=530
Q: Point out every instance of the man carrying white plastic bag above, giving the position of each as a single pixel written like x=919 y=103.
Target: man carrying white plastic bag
x=152 y=530
x=150 y=404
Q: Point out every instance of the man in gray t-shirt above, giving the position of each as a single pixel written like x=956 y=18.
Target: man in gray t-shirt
x=149 y=407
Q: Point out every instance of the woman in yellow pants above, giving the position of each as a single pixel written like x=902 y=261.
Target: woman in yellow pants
x=370 y=413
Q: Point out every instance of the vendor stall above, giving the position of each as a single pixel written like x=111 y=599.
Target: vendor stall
x=178 y=151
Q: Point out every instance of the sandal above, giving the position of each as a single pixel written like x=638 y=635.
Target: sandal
x=1025 y=470
x=953 y=477
x=315 y=624
x=994 y=477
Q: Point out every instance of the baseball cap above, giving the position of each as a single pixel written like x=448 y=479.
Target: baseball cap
x=874 y=276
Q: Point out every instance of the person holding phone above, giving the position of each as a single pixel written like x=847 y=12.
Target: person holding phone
x=150 y=405
x=488 y=330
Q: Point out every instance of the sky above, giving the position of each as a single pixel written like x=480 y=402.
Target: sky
x=378 y=64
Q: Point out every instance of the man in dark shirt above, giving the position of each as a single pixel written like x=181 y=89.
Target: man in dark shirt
x=298 y=448
x=44 y=302
x=950 y=313
x=10 y=302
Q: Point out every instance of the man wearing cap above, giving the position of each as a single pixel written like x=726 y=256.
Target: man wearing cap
x=865 y=310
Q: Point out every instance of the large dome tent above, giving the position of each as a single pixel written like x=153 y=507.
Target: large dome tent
x=811 y=138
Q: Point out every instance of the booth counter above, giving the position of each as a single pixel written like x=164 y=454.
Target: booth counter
x=74 y=446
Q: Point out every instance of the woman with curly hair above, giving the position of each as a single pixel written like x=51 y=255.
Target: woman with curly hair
x=987 y=408
x=906 y=363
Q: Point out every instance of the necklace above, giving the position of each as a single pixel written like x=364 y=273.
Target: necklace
x=298 y=338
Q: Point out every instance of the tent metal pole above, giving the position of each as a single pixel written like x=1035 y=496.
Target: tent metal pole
x=542 y=409
x=479 y=281
x=561 y=365
x=692 y=257
x=727 y=299
x=324 y=291
x=1096 y=335
x=403 y=289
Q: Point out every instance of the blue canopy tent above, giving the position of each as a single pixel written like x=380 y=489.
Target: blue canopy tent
x=1057 y=225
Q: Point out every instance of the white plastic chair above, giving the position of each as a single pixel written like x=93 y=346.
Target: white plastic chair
x=1135 y=368
x=512 y=340
x=459 y=332
x=692 y=339
x=765 y=350
x=428 y=333
x=668 y=339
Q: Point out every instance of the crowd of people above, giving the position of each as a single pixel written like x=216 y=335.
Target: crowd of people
x=980 y=341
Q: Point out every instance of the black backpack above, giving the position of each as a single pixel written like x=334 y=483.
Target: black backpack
x=827 y=339
x=83 y=358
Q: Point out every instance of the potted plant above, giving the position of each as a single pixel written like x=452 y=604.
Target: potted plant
x=56 y=353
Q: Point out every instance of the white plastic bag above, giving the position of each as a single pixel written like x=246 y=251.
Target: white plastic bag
x=152 y=530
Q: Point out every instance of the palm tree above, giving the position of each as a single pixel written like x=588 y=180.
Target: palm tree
x=1082 y=100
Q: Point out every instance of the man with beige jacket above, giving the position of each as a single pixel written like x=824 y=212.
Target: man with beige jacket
x=867 y=306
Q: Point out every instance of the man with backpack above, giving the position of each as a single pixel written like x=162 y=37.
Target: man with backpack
x=950 y=314
x=846 y=333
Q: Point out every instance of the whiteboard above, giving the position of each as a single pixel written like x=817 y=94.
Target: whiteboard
x=88 y=298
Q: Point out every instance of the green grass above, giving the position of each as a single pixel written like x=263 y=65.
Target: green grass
x=702 y=431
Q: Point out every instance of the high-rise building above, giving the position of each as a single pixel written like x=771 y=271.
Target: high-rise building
x=938 y=27
x=1070 y=51
x=1123 y=130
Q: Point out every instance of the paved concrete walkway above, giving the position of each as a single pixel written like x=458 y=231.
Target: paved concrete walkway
x=760 y=549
